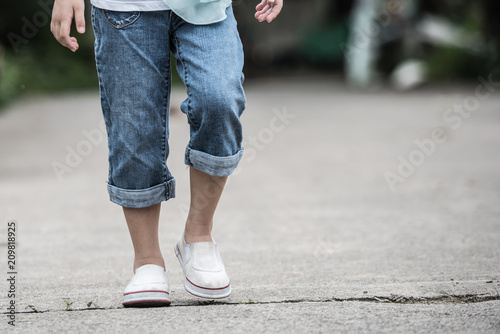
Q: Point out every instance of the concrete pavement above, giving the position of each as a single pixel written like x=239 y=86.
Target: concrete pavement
x=350 y=212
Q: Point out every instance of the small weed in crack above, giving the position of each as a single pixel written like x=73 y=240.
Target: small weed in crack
x=68 y=305
x=250 y=301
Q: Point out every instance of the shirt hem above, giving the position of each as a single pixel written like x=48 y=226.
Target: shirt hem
x=130 y=6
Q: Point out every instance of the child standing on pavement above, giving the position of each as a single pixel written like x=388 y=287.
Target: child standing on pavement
x=134 y=39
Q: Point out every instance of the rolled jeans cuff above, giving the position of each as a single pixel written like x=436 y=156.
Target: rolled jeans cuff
x=142 y=198
x=210 y=164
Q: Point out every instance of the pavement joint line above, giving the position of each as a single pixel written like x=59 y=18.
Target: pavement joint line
x=392 y=299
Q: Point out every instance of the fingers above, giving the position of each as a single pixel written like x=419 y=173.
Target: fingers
x=62 y=17
x=268 y=10
x=60 y=29
x=260 y=15
x=80 y=17
x=264 y=14
x=274 y=13
x=261 y=5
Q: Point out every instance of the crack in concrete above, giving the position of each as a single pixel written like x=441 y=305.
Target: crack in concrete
x=392 y=299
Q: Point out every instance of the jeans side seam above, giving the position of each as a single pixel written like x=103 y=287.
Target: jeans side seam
x=185 y=79
x=186 y=82
x=102 y=91
x=165 y=116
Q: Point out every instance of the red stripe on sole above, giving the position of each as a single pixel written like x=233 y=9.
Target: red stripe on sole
x=142 y=291
x=201 y=287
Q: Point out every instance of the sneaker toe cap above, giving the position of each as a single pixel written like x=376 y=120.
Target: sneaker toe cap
x=208 y=280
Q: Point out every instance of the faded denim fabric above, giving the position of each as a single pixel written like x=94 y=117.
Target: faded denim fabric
x=132 y=52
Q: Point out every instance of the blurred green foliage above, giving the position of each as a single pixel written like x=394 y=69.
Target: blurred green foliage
x=41 y=71
x=33 y=61
x=447 y=63
x=320 y=44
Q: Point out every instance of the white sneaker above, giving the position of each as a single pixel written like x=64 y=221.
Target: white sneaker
x=204 y=272
x=148 y=288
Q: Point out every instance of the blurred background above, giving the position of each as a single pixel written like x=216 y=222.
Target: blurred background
x=366 y=43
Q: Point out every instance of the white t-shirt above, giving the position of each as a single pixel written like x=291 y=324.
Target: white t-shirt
x=192 y=11
x=130 y=5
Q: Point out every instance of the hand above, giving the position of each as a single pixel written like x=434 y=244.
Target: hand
x=63 y=13
x=267 y=10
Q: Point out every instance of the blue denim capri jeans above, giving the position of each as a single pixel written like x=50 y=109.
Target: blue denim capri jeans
x=132 y=51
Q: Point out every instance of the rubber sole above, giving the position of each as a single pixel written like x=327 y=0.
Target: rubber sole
x=146 y=299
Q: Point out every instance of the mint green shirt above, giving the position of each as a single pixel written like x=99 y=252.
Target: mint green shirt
x=199 y=11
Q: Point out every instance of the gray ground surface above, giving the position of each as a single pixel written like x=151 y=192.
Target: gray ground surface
x=312 y=235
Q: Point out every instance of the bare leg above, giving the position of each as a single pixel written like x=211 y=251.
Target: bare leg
x=143 y=227
x=205 y=194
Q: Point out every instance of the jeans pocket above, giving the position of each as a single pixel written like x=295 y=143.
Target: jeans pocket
x=121 y=19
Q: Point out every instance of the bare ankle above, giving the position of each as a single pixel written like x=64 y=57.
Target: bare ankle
x=192 y=238
x=198 y=230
